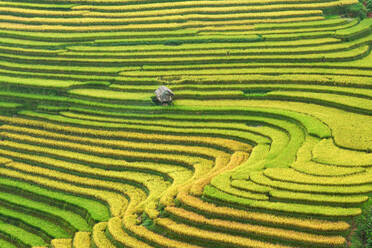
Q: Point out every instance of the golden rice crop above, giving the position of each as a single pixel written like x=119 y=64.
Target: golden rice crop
x=94 y=28
x=290 y=175
x=222 y=81
x=190 y=233
x=178 y=177
x=249 y=11
x=321 y=199
x=222 y=24
x=116 y=143
x=99 y=238
x=260 y=178
x=228 y=143
x=90 y=149
x=38 y=12
x=144 y=233
x=220 y=163
x=223 y=183
x=81 y=240
x=114 y=201
x=153 y=183
x=115 y=229
x=215 y=194
x=257 y=229
x=61 y=243
x=170 y=5
x=123 y=188
x=82 y=21
x=226 y=212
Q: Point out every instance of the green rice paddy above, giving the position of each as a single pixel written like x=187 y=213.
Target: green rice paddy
x=267 y=143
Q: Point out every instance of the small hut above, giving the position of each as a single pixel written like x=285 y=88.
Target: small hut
x=164 y=95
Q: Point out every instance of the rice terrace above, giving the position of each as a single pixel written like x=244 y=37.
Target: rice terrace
x=185 y=123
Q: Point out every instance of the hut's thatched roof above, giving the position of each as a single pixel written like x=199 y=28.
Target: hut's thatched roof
x=163 y=89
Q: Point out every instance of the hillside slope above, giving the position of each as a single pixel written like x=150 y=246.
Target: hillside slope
x=267 y=144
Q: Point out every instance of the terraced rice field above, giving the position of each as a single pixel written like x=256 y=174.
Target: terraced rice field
x=267 y=144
